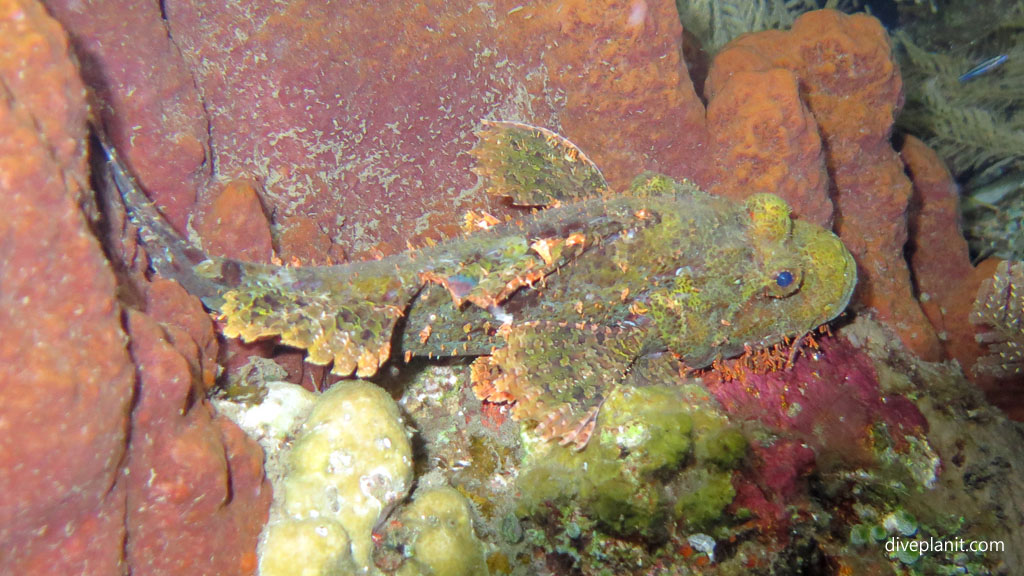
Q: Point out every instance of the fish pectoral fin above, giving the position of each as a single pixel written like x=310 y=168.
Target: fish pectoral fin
x=500 y=267
x=557 y=375
x=655 y=370
x=491 y=291
x=534 y=166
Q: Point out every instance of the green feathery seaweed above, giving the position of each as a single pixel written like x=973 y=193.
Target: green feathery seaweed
x=716 y=22
x=976 y=126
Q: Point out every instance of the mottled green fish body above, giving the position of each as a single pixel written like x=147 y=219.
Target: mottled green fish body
x=561 y=305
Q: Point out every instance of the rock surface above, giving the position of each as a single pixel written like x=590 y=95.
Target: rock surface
x=189 y=473
x=65 y=376
x=370 y=142
x=111 y=460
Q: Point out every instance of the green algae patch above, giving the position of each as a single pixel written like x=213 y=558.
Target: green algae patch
x=702 y=506
x=724 y=447
x=657 y=452
x=649 y=428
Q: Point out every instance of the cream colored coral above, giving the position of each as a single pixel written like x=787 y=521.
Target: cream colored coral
x=444 y=543
x=306 y=548
x=351 y=461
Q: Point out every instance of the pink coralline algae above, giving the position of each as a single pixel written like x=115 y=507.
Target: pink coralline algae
x=832 y=381
x=827 y=409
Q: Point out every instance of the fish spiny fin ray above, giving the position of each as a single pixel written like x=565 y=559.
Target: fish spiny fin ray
x=557 y=374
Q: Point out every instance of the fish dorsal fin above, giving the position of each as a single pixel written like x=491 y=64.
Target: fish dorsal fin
x=534 y=166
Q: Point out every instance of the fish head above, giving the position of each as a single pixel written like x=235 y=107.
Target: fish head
x=802 y=277
x=787 y=278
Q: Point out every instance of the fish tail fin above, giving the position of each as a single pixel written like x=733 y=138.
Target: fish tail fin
x=171 y=256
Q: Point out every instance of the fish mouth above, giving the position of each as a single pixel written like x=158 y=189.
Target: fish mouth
x=830 y=272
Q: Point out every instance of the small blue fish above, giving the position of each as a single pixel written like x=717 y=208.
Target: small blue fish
x=983 y=68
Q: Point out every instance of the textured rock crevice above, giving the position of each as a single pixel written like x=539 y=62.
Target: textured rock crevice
x=106 y=465
x=64 y=374
x=210 y=163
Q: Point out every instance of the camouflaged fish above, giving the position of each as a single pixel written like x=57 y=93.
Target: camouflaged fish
x=561 y=305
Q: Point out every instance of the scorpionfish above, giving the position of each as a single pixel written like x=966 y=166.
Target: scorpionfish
x=559 y=306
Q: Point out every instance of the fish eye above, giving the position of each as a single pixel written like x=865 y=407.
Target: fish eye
x=784 y=278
